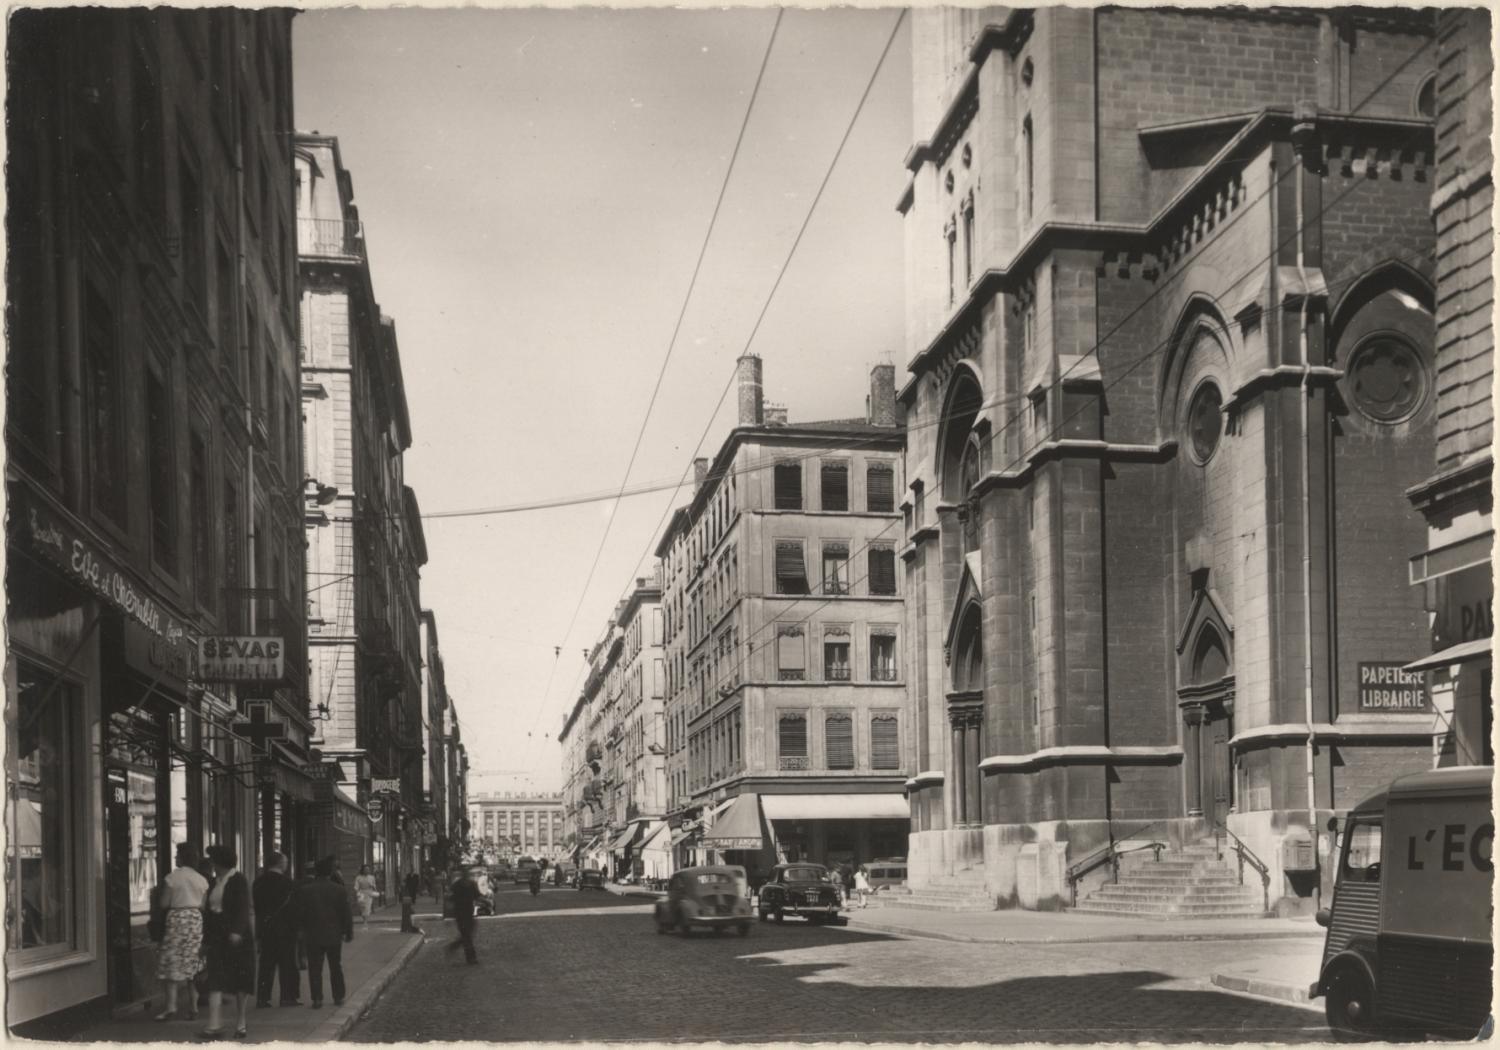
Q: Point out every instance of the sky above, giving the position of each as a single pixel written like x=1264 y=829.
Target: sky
x=535 y=187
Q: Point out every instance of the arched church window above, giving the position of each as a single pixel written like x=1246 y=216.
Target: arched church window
x=1210 y=662
x=1387 y=380
x=968 y=668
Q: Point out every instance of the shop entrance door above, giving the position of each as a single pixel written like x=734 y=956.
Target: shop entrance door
x=136 y=825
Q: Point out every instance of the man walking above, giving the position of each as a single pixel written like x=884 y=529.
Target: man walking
x=275 y=934
x=465 y=894
x=409 y=892
x=323 y=915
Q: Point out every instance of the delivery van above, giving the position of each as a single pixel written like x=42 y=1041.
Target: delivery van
x=1408 y=948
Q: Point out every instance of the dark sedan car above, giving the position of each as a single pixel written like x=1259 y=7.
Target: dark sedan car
x=800 y=889
x=590 y=879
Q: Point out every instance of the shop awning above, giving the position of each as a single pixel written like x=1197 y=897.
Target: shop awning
x=656 y=835
x=288 y=776
x=629 y=837
x=683 y=834
x=1474 y=649
x=875 y=806
x=739 y=827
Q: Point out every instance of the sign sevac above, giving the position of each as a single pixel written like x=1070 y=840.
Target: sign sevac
x=231 y=658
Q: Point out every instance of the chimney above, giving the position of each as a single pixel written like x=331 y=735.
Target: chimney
x=882 y=403
x=775 y=415
x=700 y=472
x=750 y=391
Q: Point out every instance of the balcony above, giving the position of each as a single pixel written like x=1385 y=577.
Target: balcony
x=836 y=673
x=331 y=239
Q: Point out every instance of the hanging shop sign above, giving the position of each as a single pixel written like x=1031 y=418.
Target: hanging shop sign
x=390 y=785
x=237 y=658
x=1385 y=688
x=376 y=809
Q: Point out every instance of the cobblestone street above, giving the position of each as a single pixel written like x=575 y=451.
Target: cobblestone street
x=571 y=965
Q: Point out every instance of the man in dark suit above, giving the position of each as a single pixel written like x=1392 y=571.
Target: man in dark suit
x=275 y=934
x=465 y=894
x=323 y=916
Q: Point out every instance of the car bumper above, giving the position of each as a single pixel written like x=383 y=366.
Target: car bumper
x=716 y=920
x=810 y=909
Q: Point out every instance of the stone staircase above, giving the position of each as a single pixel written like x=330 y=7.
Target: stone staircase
x=1188 y=883
x=961 y=891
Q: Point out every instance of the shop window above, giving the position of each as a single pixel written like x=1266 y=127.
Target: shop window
x=791 y=741
x=882 y=570
x=791 y=572
x=791 y=653
x=838 y=740
x=835 y=486
x=40 y=875
x=880 y=488
x=836 y=568
x=883 y=655
x=885 y=742
x=788 y=478
x=836 y=654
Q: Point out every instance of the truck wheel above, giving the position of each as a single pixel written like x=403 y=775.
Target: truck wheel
x=1350 y=1006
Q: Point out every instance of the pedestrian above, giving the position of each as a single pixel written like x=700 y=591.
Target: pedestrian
x=230 y=941
x=321 y=913
x=309 y=873
x=274 y=933
x=337 y=878
x=409 y=893
x=364 y=893
x=861 y=884
x=465 y=894
x=181 y=898
x=200 y=982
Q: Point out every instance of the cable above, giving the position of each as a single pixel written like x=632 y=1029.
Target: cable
x=671 y=343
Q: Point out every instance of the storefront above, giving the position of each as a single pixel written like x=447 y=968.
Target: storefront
x=834 y=829
x=1459 y=669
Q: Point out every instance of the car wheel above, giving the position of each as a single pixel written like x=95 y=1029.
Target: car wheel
x=1349 y=1005
x=744 y=929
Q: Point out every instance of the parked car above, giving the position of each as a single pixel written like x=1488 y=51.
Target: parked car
x=522 y=872
x=884 y=874
x=590 y=879
x=800 y=889
x=712 y=896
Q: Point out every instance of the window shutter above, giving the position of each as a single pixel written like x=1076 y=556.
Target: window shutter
x=882 y=570
x=880 y=487
x=835 y=486
x=885 y=742
x=838 y=738
x=791 y=574
x=791 y=733
x=788 y=486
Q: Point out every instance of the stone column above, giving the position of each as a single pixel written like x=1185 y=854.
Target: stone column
x=1192 y=764
x=955 y=776
x=971 y=770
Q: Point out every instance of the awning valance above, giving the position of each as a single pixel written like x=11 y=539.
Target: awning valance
x=873 y=806
x=738 y=827
x=657 y=835
x=631 y=836
x=1474 y=649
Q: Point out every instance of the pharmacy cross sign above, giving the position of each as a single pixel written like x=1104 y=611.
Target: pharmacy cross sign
x=261 y=729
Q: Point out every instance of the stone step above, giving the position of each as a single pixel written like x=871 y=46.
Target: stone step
x=1172 y=907
x=926 y=903
x=942 y=890
x=1136 y=893
x=1173 y=913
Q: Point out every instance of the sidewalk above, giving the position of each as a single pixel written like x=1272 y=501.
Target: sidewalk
x=1014 y=926
x=377 y=953
x=1289 y=974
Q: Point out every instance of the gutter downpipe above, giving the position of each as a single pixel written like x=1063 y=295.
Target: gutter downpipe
x=1303 y=134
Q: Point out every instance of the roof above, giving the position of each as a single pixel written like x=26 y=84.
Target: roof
x=1453 y=781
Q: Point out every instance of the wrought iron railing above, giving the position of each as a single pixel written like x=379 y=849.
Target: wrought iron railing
x=1245 y=856
x=1110 y=853
x=331 y=237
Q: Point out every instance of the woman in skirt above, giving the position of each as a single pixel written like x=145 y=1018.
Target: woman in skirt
x=181 y=897
x=230 y=941
x=364 y=892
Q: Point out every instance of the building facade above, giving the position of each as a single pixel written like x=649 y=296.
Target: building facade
x=436 y=830
x=579 y=822
x=510 y=825
x=365 y=546
x=1455 y=500
x=788 y=731
x=1170 y=312
x=152 y=478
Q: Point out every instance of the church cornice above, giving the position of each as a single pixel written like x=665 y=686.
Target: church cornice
x=1074 y=448
x=1083 y=754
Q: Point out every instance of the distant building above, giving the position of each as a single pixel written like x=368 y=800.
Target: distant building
x=365 y=545
x=1171 y=325
x=153 y=482
x=511 y=825
x=436 y=829
x=788 y=730
x=1456 y=500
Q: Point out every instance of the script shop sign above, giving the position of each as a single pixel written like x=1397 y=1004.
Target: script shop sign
x=236 y=658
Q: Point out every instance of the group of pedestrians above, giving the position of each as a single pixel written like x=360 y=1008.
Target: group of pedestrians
x=209 y=920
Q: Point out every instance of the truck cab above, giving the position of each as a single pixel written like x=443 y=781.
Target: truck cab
x=1408 y=947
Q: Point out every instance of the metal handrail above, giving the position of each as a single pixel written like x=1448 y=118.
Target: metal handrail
x=1110 y=853
x=1246 y=855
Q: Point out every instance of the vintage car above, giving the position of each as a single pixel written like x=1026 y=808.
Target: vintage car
x=707 y=896
x=521 y=873
x=800 y=889
x=883 y=874
x=590 y=879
